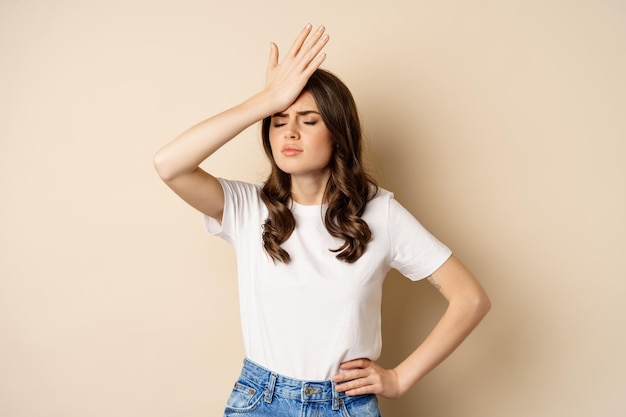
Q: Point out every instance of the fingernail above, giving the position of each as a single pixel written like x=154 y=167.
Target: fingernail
x=308 y=26
x=320 y=29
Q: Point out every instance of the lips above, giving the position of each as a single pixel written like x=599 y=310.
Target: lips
x=291 y=150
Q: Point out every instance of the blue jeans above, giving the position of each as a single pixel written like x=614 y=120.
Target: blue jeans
x=260 y=392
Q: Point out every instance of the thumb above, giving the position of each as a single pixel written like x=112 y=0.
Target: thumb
x=273 y=61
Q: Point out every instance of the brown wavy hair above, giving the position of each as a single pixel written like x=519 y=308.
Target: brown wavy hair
x=349 y=187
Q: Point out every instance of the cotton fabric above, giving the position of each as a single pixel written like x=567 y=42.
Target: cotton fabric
x=304 y=318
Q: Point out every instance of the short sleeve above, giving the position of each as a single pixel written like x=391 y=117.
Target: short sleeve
x=241 y=205
x=212 y=225
x=416 y=253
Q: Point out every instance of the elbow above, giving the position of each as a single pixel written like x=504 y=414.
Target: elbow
x=486 y=306
x=481 y=304
x=162 y=168
x=473 y=306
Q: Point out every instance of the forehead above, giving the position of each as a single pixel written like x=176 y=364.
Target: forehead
x=305 y=101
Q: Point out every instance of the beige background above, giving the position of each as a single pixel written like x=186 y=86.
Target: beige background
x=500 y=124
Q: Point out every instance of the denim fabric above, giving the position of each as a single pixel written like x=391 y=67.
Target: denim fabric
x=259 y=392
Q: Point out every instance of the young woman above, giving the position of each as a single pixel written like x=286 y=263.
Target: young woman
x=314 y=243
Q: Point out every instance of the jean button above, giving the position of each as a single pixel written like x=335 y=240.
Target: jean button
x=308 y=391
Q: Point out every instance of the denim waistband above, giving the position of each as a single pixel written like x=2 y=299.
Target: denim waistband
x=305 y=391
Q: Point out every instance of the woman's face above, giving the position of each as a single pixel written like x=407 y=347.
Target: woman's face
x=301 y=143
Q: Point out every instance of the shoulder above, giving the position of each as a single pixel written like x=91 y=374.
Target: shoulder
x=242 y=207
x=240 y=189
x=383 y=208
x=379 y=201
x=241 y=196
x=382 y=194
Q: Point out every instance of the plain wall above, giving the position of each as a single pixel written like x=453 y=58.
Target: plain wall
x=500 y=124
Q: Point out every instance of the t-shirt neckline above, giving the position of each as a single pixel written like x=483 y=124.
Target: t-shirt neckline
x=307 y=210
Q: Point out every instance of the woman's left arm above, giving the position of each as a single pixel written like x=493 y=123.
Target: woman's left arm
x=467 y=305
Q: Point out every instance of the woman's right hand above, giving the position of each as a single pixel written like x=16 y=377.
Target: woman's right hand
x=178 y=162
x=285 y=81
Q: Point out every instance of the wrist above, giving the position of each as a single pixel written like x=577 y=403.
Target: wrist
x=404 y=379
x=275 y=100
x=259 y=106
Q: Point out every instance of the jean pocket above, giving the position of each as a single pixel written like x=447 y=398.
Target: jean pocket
x=245 y=397
x=360 y=406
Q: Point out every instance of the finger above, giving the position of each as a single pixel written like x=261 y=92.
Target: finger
x=368 y=389
x=352 y=375
x=316 y=60
x=273 y=61
x=297 y=44
x=345 y=376
x=351 y=384
x=312 y=40
x=360 y=386
x=354 y=364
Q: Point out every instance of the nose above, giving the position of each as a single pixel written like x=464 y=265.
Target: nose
x=291 y=132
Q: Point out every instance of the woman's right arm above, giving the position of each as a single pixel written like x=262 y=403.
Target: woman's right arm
x=177 y=163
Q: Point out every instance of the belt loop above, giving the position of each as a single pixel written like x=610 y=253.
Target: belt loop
x=335 y=394
x=269 y=392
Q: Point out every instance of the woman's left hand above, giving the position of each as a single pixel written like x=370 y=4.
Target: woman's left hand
x=362 y=376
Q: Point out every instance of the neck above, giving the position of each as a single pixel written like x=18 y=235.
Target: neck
x=309 y=191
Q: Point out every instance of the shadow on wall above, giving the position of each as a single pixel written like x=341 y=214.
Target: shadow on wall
x=401 y=157
x=410 y=310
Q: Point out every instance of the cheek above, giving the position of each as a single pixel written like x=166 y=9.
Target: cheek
x=328 y=148
x=273 y=142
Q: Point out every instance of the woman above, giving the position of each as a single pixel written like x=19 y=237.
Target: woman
x=313 y=244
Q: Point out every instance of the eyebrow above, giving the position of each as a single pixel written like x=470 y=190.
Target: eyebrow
x=299 y=113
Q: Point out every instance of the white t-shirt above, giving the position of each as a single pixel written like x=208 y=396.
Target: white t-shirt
x=304 y=318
